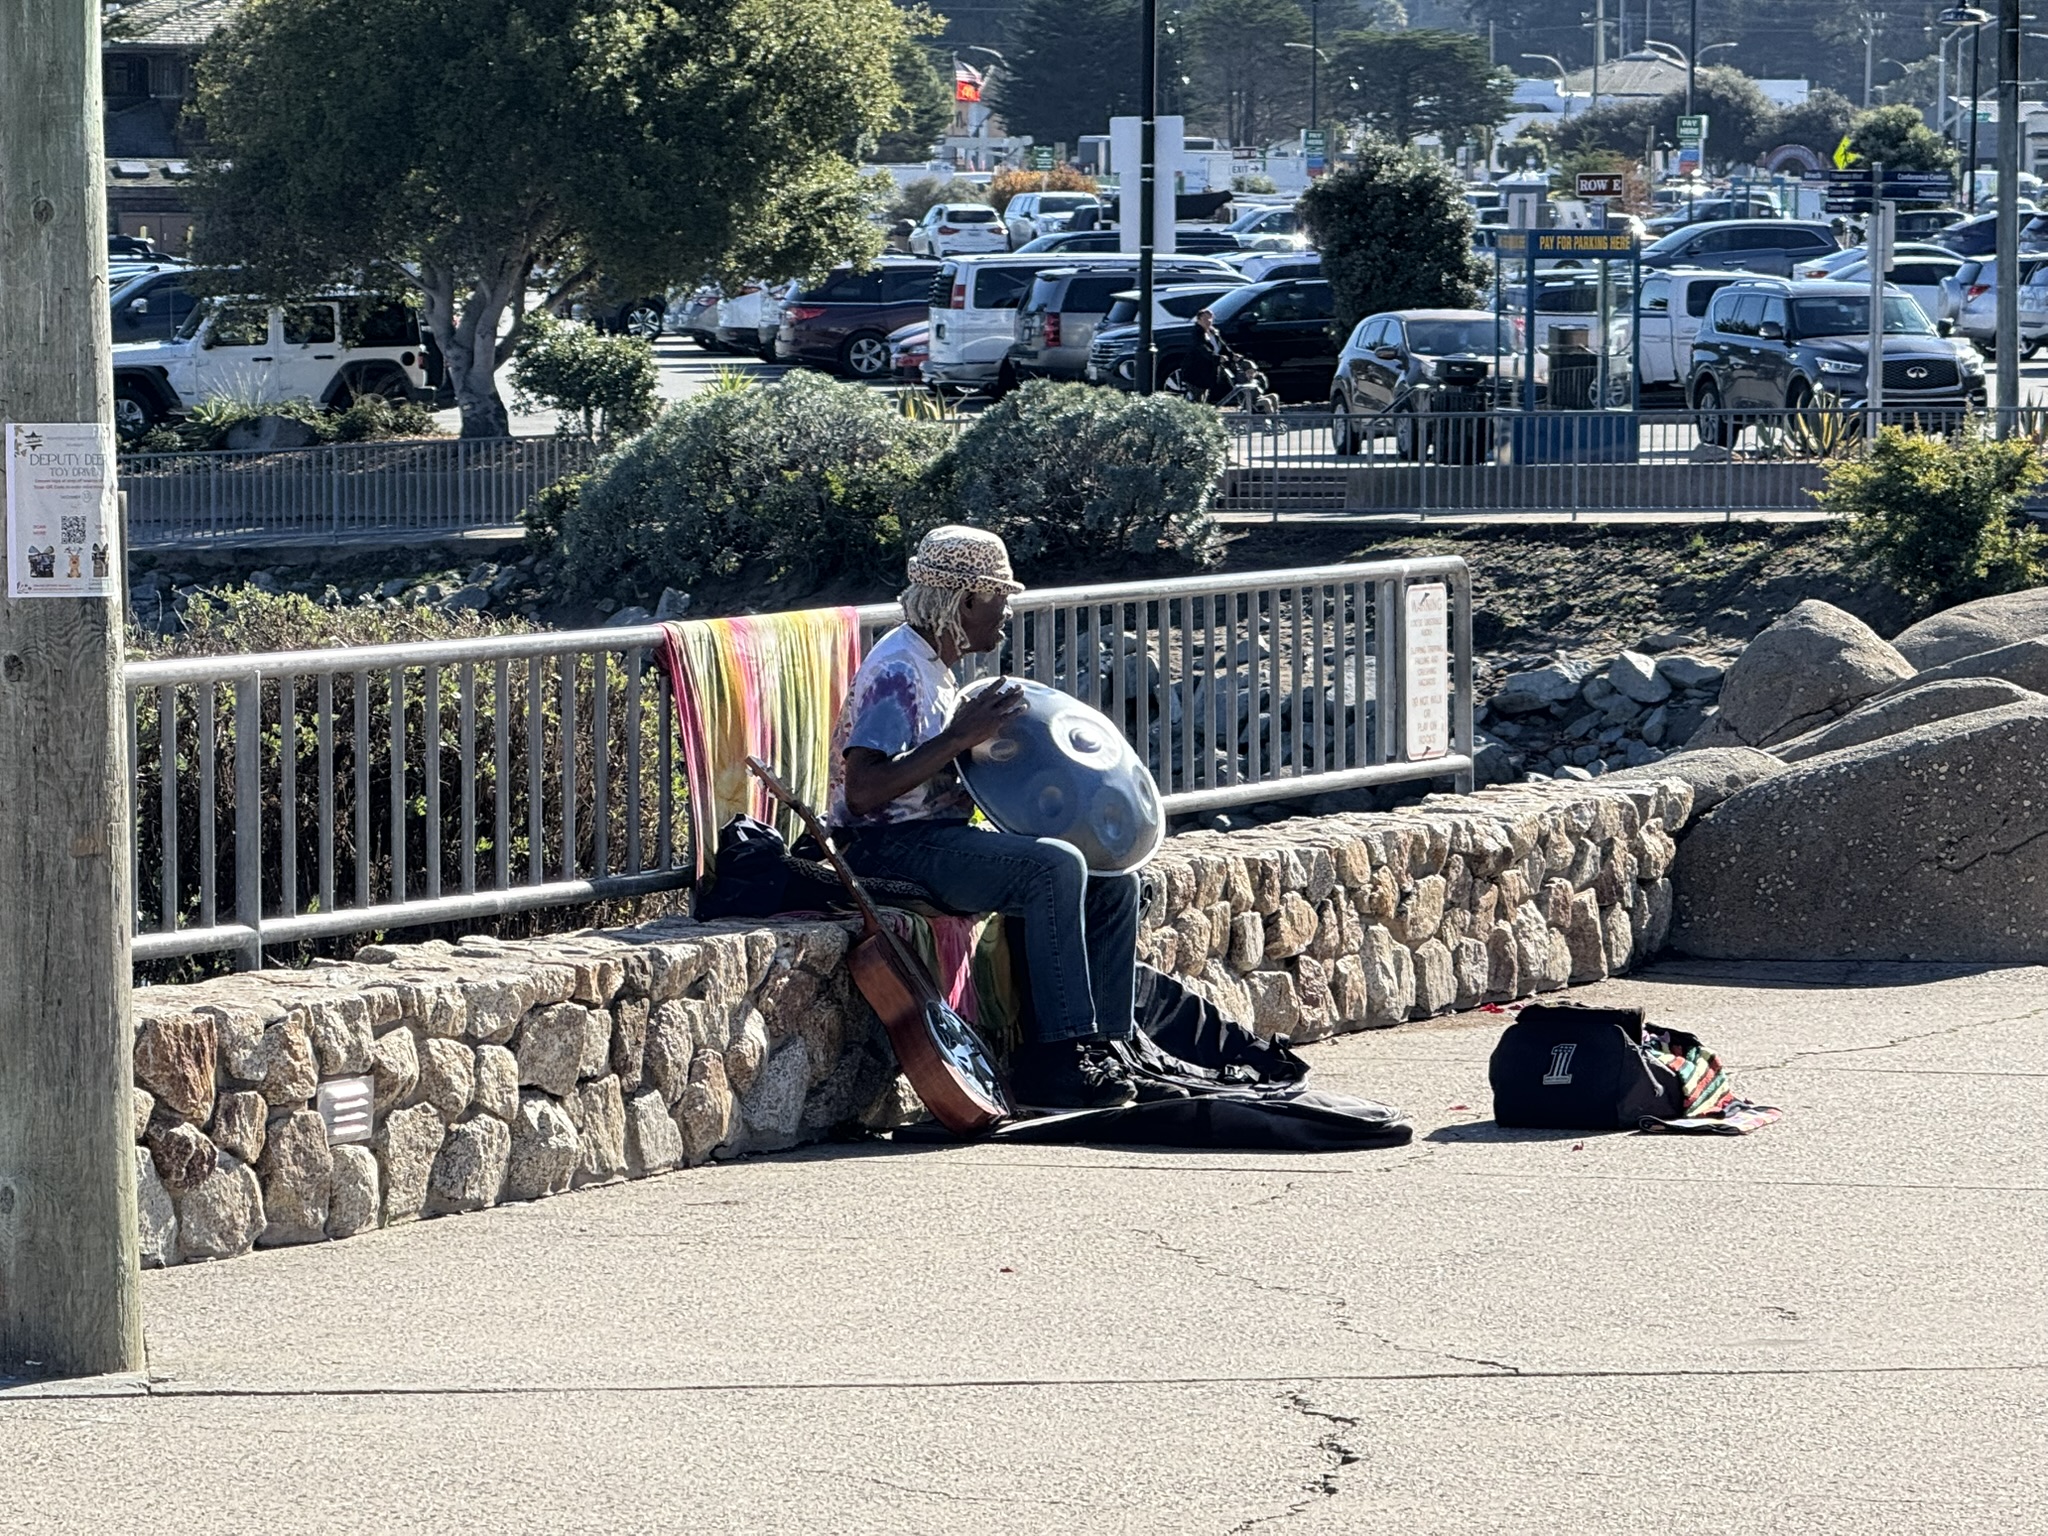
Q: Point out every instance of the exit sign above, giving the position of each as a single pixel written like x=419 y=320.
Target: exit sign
x=1600 y=184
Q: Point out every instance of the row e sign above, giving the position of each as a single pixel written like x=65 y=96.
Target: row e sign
x=1600 y=184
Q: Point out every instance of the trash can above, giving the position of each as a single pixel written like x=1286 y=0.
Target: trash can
x=1574 y=368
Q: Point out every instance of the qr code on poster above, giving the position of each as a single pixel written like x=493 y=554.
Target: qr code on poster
x=73 y=529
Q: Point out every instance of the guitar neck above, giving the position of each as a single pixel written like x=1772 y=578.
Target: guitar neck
x=809 y=818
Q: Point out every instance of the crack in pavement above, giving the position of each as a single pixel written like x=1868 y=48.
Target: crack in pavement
x=1886 y=1045
x=1338 y=1307
x=1337 y=1453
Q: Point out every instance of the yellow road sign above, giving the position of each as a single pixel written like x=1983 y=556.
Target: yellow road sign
x=1843 y=158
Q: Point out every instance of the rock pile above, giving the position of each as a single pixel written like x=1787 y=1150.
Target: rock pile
x=1587 y=716
x=1855 y=807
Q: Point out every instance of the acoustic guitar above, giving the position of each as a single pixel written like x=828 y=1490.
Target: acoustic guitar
x=946 y=1061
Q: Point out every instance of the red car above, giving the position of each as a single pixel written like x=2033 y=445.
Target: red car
x=908 y=349
x=842 y=325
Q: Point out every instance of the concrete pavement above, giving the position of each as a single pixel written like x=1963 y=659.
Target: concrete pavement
x=1833 y=1326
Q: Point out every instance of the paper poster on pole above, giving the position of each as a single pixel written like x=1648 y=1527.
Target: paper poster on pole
x=63 y=527
x=1426 y=704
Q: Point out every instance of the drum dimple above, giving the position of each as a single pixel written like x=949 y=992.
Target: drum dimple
x=1061 y=769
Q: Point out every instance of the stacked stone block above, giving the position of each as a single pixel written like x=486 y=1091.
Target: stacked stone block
x=517 y=1071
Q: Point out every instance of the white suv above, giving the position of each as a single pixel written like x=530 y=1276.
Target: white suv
x=329 y=350
x=1031 y=214
x=950 y=229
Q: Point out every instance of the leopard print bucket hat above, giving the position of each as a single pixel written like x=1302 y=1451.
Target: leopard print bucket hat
x=954 y=558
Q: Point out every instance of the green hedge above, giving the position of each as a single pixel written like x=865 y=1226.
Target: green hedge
x=808 y=480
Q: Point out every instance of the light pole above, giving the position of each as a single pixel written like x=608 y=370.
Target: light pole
x=1692 y=51
x=1148 y=176
x=1558 y=64
x=1957 y=19
x=2008 y=214
x=1315 y=68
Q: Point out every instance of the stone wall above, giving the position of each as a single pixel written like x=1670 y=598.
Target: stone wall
x=512 y=1071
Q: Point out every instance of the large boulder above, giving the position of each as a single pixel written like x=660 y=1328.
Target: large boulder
x=1926 y=845
x=1985 y=625
x=1814 y=664
x=2023 y=663
x=1714 y=773
x=1896 y=712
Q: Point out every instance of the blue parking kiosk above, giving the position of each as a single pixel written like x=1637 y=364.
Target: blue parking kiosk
x=1580 y=406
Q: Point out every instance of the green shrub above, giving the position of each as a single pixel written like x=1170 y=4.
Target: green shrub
x=370 y=419
x=798 y=481
x=1395 y=232
x=602 y=385
x=914 y=199
x=1077 y=477
x=1942 y=516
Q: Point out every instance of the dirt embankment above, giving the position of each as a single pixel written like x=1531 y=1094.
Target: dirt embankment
x=1602 y=587
x=1538 y=591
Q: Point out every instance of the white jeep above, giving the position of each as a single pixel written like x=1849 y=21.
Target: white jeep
x=331 y=351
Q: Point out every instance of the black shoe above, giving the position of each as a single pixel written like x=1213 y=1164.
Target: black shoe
x=1069 y=1074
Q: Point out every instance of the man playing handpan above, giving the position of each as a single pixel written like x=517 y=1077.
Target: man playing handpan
x=898 y=809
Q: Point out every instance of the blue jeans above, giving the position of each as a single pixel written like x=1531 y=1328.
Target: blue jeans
x=1080 y=931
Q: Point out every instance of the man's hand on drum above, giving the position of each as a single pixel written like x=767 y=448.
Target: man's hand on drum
x=983 y=717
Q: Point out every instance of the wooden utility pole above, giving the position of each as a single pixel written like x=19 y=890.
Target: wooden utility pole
x=68 y=1255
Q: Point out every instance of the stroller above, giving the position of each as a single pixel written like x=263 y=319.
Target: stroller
x=1248 y=388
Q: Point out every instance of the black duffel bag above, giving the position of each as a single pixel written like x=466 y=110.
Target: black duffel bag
x=1569 y=1067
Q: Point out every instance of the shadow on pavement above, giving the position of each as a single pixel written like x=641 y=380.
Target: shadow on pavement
x=1798 y=975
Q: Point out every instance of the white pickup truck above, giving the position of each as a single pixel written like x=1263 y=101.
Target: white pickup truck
x=1673 y=304
x=329 y=350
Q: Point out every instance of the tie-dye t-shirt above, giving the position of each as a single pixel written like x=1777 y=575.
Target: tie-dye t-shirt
x=901 y=698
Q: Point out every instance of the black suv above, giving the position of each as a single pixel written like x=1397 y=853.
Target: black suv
x=1771 y=345
x=1283 y=327
x=1773 y=247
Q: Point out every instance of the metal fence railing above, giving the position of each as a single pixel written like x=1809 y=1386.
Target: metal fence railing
x=299 y=795
x=342 y=490
x=1609 y=463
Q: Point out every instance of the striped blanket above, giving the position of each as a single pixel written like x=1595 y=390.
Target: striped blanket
x=768 y=685
x=1710 y=1102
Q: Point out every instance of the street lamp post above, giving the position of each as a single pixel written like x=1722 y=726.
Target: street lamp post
x=2008 y=215
x=1692 y=52
x=1976 y=110
x=1315 y=65
x=1556 y=63
x=1148 y=176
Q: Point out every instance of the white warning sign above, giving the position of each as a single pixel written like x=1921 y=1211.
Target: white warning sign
x=1427 y=700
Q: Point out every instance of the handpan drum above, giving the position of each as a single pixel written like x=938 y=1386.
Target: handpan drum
x=1062 y=769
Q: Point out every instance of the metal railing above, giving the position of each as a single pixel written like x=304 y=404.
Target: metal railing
x=299 y=795
x=1550 y=462
x=342 y=490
